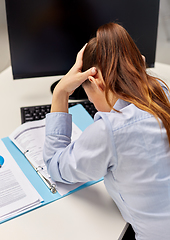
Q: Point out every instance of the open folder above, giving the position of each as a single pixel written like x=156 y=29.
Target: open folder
x=36 y=173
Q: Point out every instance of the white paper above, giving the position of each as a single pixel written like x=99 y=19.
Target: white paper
x=16 y=192
x=63 y=188
x=29 y=138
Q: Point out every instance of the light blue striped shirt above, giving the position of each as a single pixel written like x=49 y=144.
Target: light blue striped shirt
x=130 y=150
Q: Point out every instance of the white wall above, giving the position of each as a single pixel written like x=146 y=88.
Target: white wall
x=163 y=41
x=4 y=46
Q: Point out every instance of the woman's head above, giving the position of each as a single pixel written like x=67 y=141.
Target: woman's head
x=113 y=52
x=111 y=45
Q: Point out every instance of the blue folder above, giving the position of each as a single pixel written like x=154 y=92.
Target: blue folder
x=82 y=119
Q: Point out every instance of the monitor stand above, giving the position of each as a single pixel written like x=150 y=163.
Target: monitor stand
x=78 y=94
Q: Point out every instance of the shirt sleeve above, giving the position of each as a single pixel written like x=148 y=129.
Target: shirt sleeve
x=88 y=158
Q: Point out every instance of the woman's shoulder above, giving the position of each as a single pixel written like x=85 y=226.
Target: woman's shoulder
x=124 y=114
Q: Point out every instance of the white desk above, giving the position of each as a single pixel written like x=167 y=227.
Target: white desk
x=87 y=214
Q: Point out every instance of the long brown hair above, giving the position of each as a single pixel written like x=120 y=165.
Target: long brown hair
x=123 y=69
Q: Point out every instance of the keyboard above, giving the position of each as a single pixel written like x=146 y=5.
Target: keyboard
x=33 y=113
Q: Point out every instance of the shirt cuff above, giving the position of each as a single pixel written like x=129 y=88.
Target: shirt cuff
x=59 y=123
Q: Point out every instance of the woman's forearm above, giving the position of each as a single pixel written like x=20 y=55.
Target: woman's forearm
x=72 y=80
x=60 y=101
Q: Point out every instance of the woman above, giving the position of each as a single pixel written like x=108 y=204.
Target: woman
x=129 y=141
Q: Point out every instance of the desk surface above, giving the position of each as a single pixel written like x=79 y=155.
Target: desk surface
x=87 y=214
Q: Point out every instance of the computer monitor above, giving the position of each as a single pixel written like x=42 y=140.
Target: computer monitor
x=45 y=35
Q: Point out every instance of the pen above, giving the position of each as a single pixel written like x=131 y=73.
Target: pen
x=1 y=161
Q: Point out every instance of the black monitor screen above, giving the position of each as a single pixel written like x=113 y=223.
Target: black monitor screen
x=45 y=35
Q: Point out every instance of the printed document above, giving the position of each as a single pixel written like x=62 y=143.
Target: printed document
x=29 y=138
x=16 y=192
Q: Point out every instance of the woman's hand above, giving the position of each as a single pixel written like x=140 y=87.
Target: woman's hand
x=72 y=80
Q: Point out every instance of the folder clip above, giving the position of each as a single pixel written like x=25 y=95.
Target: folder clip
x=51 y=186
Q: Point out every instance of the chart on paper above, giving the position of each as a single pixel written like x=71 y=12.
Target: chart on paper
x=16 y=192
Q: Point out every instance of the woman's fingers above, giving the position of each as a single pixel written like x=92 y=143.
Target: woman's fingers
x=90 y=72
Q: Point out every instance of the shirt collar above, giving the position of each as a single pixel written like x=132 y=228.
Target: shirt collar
x=120 y=104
